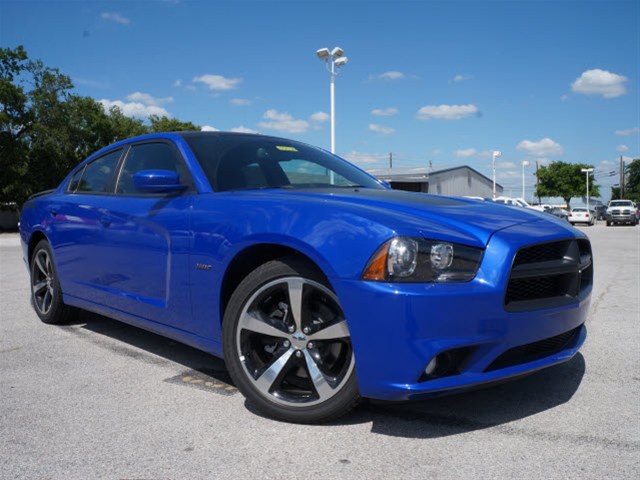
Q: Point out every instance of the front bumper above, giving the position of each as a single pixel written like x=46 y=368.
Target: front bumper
x=396 y=329
x=630 y=218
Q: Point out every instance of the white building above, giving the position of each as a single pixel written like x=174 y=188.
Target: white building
x=456 y=181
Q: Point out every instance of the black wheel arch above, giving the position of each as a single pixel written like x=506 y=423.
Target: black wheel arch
x=250 y=258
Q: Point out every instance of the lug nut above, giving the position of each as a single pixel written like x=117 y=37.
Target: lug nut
x=292 y=329
x=298 y=353
x=306 y=330
x=286 y=344
x=310 y=345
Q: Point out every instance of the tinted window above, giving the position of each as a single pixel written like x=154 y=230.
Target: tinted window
x=240 y=162
x=75 y=181
x=149 y=156
x=97 y=174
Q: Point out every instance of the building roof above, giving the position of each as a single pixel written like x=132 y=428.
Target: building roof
x=419 y=174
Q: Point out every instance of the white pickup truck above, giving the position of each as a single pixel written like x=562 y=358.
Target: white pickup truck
x=621 y=211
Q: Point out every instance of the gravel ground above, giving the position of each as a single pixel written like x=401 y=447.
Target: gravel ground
x=100 y=399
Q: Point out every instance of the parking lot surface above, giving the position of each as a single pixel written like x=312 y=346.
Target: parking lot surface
x=100 y=399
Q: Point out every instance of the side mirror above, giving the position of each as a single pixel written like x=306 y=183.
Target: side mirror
x=157 y=181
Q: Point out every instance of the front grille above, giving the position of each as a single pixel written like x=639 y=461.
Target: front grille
x=533 y=351
x=615 y=212
x=549 y=275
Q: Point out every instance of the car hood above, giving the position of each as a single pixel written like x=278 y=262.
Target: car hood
x=448 y=218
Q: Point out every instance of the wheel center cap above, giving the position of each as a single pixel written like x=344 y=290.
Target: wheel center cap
x=299 y=340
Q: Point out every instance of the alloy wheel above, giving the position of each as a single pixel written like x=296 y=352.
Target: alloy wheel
x=293 y=342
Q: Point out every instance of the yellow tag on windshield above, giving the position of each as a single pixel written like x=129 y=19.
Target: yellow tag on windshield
x=286 y=149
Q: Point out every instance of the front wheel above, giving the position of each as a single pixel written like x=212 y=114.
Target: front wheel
x=287 y=344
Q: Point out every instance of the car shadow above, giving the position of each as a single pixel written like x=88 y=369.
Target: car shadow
x=434 y=418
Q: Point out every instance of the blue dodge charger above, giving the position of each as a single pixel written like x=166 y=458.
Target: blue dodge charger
x=315 y=282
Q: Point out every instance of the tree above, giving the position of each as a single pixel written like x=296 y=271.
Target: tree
x=166 y=124
x=632 y=184
x=45 y=130
x=32 y=118
x=565 y=180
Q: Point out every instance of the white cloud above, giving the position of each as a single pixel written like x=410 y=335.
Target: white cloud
x=542 y=148
x=242 y=129
x=564 y=98
x=217 y=82
x=459 y=78
x=446 y=112
x=148 y=99
x=374 y=127
x=628 y=132
x=600 y=82
x=320 y=117
x=115 y=17
x=391 y=75
x=177 y=83
x=384 y=112
x=240 y=102
x=283 y=122
x=465 y=152
x=622 y=148
x=505 y=165
x=361 y=158
x=134 y=109
x=208 y=128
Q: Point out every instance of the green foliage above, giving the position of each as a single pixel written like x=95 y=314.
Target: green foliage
x=45 y=130
x=632 y=183
x=565 y=180
x=166 y=124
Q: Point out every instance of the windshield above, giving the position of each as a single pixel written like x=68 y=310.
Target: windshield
x=246 y=162
x=620 y=203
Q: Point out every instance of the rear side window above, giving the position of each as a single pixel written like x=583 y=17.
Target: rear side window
x=150 y=156
x=97 y=174
x=75 y=181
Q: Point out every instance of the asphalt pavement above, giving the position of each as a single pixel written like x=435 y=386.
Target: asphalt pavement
x=100 y=399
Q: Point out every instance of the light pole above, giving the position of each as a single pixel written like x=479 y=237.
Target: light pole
x=525 y=163
x=496 y=154
x=587 y=171
x=334 y=60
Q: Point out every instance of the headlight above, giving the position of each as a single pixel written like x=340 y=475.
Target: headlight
x=408 y=259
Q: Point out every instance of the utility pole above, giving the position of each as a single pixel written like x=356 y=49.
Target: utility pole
x=390 y=160
x=538 y=185
x=621 y=177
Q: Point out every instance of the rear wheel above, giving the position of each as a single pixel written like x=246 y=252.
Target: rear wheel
x=46 y=294
x=287 y=345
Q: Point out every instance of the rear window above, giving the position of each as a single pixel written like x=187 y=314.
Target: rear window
x=98 y=174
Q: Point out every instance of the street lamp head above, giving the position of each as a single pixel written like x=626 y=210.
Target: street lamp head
x=586 y=170
x=337 y=52
x=341 y=61
x=525 y=163
x=323 y=53
x=497 y=153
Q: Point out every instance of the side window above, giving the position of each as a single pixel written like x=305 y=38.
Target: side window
x=97 y=174
x=75 y=181
x=149 y=156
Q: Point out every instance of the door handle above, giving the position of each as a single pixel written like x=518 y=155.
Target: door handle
x=53 y=212
x=105 y=221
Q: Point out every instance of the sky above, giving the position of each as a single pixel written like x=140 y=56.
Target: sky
x=435 y=83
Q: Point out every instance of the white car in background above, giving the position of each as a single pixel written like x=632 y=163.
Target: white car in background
x=517 y=202
x=582 y=215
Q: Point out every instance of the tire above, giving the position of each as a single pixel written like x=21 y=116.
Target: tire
x=287 y=345
x=46 y=294
x=608 y=223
